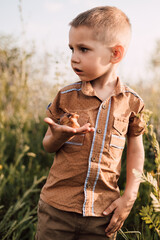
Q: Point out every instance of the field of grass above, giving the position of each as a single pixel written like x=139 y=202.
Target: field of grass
x=24 y=164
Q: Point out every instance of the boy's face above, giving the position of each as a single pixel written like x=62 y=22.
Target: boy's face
x=90 y=58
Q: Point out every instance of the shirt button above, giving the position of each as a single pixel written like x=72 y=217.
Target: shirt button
x=99 y=130
x=93 y=159
x=104 y=106
x=88 y=186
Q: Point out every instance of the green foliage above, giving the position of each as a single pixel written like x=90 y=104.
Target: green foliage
x=24 y=165
x=151 y=212
x=20 y=216
x=23 y=162
x=150 y=217
x=149 y=193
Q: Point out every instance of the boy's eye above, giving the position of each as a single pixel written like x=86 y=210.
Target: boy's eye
x=71 y=48
x=82 y=49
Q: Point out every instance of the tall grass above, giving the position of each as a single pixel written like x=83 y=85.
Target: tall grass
x=24 y=164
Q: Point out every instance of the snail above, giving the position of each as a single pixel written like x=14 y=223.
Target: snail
x=69 y=119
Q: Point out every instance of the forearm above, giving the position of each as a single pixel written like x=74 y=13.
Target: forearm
x=135 y=160
x=56 y=135
x=122 y=206
x=51 y=145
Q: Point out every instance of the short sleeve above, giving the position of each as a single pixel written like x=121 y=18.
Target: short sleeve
x=53 y=109
x=136 y=122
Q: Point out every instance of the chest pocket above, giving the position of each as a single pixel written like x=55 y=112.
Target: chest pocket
x=117 y=139
x=76 y=143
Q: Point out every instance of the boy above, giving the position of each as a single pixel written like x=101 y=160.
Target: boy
x=81 y=199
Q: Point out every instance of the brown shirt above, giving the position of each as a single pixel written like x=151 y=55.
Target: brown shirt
x=85 y=171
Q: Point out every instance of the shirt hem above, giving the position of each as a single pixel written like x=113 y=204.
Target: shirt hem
x=61 y=207
x=78 y=209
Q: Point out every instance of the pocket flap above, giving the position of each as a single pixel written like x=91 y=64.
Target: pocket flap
x=117 y=141
x=120 y=125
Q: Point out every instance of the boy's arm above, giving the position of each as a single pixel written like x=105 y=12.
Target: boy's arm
x=123 y=205
x=57 y=135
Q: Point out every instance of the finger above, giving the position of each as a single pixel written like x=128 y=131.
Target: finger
x=92 y=129
x=88 y=125
x=49 y=121
x=120 y=226
x=85 y=128
x=67 y=129
x=115 y=229
x=112 y=224
x=115 y=225
x=110 y=236
x=110 y=209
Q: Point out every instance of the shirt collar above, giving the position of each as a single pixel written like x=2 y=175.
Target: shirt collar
x=88 y=90
x=120 y=88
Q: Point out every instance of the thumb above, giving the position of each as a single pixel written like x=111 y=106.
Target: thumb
x=110 y=209
x=49 y=121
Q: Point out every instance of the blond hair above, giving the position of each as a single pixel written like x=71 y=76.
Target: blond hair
x=110 y=24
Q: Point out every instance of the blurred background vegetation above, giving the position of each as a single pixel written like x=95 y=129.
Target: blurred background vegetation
x=24 y=165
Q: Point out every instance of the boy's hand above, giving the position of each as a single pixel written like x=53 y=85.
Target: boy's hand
x=120 y=208
x=69 y=131
x=57 y=135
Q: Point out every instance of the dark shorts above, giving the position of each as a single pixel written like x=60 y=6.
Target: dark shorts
x=55 y=224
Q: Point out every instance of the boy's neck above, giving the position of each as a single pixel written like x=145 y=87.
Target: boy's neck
x=104 y=87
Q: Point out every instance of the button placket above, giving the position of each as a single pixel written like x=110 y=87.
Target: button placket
x=103 y=106
x=100 y=141
x=97 y=144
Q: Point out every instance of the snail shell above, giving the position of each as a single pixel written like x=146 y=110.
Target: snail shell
x=70 y=119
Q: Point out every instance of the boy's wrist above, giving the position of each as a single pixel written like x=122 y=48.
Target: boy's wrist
x=52 y=142
x=130 y=195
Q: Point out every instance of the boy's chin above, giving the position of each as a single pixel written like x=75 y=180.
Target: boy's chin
x=83 y=79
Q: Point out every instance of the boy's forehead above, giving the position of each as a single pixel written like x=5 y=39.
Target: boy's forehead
x=82 y=32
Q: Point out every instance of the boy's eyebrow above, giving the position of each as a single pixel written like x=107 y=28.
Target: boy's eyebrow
x=80 y=45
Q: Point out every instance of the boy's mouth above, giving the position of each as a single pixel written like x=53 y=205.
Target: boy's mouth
x=77 y=71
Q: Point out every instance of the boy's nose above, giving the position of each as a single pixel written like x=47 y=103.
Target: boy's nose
x=75 y=58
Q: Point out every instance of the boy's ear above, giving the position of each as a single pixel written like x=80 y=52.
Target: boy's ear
x=117 y=54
